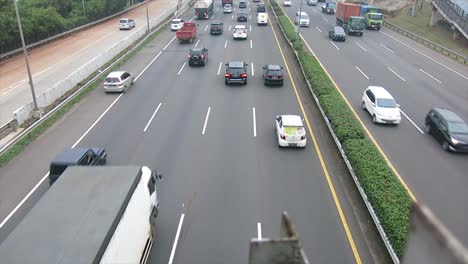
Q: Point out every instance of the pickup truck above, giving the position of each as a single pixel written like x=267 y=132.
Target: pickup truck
x=187 y=33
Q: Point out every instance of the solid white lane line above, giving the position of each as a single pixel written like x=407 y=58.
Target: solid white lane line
x=254 y=122
x=411 y=121
x=396 y=74
x=250 y=43
x=229 y=27
x=334 y=45
x=174 y=246
x=259 y=230
x=97 y=120
x=147 y=66
x=152 y=116
x=441 y=64
x=253 y=73
x=318 y=29
x=437 y=80
x=362 y=72
x=250 y=27
x=361 y=47
x=181 y=68
x=169 y=43
x=386 y=48
x=225 y=44
x=219 y=68
x=206 y=27
x=196 y=44
x=325 y=19
x=206 y=120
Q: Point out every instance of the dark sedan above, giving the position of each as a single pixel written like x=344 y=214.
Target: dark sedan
x=448 y=128
x=273 y=74
x=242 y=17
x=337 y=33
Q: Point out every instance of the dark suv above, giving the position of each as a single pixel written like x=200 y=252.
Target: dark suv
x=242 y=4
x=261 y=8
x=273 y=74
x=236 y=72
x=216 y=27
x=448 y=128
x=198 y=56
x=242 y=17
x=76 y=157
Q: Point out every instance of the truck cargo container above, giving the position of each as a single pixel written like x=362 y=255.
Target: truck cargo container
x=348 y=17
x=373 y=16
x=90 y=215
x=187 y=33
x=203 y=9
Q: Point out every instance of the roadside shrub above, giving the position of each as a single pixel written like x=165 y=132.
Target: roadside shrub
x=288 y=28
x=298 y=45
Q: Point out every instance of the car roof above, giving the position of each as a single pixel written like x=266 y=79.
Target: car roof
x=115 y=74
x=216 y=23
x=177 y=19
x=196 y=49
x=291 y=120
x=227 y=5
x=380 y=92
x=273 y=67
x=337 y=27
x=449 y=115
x=236 y=64
x=70 y=155
x=124 y=18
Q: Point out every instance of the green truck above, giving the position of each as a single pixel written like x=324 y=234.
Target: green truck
x=347 y=16
x=373 y=16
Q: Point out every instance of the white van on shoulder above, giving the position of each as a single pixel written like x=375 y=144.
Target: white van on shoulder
x=262 y=19
x=126 y=23
x=302 y=19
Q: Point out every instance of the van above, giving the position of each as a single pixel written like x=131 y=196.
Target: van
x=262 y=19
x=302 y=19
x=126 y=23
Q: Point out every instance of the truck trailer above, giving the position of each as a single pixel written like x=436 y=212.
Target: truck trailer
x=348 y=17
x=203 y=9
x=93 y=214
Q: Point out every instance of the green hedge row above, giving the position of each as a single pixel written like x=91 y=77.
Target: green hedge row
x=387 y=195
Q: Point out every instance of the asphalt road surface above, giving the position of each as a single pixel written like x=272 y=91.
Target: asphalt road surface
x=419 y=79
x=216 y=146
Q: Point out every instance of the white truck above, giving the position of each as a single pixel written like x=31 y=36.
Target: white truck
x=93 y=214
x=203 y=9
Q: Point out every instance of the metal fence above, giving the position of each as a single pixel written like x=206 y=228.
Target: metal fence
x=427 y=42
x=454 y=14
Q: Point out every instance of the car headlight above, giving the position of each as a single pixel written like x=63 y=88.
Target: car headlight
x=455 y=141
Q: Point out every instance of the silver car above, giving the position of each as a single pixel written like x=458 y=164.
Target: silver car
x=118 y=81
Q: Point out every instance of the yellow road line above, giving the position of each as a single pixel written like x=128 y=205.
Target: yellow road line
x=322 y=161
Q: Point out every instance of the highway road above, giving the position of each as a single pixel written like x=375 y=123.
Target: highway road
x=419 y=79
x=225 y=179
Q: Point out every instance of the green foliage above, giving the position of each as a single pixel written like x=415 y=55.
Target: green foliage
x=288 y=28
x=298 y=45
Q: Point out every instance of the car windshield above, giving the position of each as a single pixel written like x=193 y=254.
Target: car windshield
x=304 y=17
x=376 y=16
x=227 y=6
x=339 y=31
x=386 y=103
x=458 y=127
x=112 y=80
x=332 y=5
x=196 y=52
x=175 y=21
x=123 y=21
x=293 y=130
x=239 y=30
x=274 y=72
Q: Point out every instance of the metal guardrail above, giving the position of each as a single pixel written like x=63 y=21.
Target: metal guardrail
x=454 y=14
x=427 y=42
x=32 y=45
x=9 y=127
x=370 y=209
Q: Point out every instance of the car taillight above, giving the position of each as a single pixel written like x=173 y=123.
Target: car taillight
x=202 y=56
x=227 y=75
x=267 y=76
x=303 y=137
x=280 y=76
x=282 y=136
x=189 y=56
x=244 y=75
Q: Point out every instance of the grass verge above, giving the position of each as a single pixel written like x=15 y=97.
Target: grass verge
x=384 y=191
x=19 y=146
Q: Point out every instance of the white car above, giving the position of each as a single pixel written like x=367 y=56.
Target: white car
x=381 y=105
x=227 y=8
x=118 y=81
x=126 y=23
x=262 y=19
x=240 y=32
x=303 y=19
x=176 y=24
x=290 y=131
x=287 y=3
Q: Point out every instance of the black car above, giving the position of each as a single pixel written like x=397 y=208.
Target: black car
x=273 y=74
x=242 y=17
x=242 y=4
x=198 y=56
x=76 y=157
x=236 y=72
x=448 y=128
x=216 y=27
x=261 y=8
x=337 y=33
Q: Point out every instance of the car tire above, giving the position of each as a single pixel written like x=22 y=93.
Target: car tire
x=427 y=128
x=363 y=106
x=445 y=145
x=374 y=119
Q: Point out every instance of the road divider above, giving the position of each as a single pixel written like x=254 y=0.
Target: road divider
x=383 y=193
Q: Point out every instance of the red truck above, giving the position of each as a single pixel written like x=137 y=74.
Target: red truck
x=187 y=33
x=223 y=2
x=344 y=11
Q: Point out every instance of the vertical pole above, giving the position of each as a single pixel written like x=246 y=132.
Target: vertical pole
x=25 y=54
x=147 y=17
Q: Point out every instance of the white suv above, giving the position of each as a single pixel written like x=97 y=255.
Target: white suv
x=118 y=81
x=381 y=105
x=126 y=23
x=303 y=19
x=240 y=32
x=262 y=19
x=290 y=131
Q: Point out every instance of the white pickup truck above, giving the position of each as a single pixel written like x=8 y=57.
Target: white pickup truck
x=93 y=214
